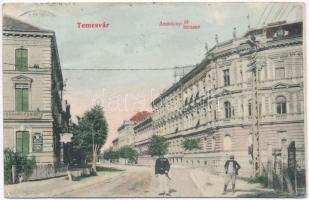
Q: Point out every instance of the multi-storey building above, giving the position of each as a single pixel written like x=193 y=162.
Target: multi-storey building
x=115 y=143
x=126 y=134
x=214 y=102
x=32 y=94
x=143 y=132
x=126 y=130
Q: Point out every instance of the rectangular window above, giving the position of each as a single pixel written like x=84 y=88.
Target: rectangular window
x=280 y=73
x=21 y=99
x=226 y=75
x=22 y=142
x=21 y=59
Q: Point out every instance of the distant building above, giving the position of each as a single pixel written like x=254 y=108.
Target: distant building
x=143 y=131
x=115 y=146
x=213 y=103
x=126 y=131
x=126 y=134
x=139 y=116
x=34 y=116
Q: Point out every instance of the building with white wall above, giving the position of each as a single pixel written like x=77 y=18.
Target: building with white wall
x=213 y=103
x=143 y=131
x=126 y=134
x=33 y=112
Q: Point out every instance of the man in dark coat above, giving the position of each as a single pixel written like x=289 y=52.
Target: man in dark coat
x=162 y=168
x=231 y=170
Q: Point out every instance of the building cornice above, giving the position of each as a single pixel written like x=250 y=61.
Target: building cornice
x=242 y=50
x=27 y=33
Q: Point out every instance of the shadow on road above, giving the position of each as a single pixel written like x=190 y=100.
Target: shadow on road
x=263 y=194
x=109 y=169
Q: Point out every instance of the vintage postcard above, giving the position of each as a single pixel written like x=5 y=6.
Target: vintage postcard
x=196 y=99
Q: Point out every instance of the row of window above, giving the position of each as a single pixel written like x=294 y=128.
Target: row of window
x=280 y=107
x=279 y=74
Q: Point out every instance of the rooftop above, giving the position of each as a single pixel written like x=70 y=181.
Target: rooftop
x=292 y=29
x=12 y=24
x=139 y=116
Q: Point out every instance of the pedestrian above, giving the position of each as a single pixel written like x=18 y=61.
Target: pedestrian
x=162 y=168
x=231 y=170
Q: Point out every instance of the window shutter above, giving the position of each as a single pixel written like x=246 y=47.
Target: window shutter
x=25 y=142
x=18 y=59
x=19 y=142
x=25 y=100
x=18 y=99
x=21 y=59
x=24 y=59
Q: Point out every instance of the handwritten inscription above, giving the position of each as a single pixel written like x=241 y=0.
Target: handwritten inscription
x=185 y=24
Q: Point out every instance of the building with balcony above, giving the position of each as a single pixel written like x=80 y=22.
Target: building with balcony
x=143 y=132
x=34 y=116
x=213 y=103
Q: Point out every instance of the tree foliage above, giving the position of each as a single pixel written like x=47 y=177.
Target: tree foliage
x=111 y=155
x=158 y=146
x=128 y=152
x=22 y=162
x=93 y=123
x=190 y=144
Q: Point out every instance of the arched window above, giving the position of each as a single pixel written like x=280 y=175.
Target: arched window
x=281 y=105
x=227 y=143
x=227 y=109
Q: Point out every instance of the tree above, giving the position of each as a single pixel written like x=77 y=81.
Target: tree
x=158 y=146
x=23 y=164
x=190 y=144
x=90 y=133
x=111 y=155
x=128 y=152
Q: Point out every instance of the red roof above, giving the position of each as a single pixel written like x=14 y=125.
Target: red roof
x=139 y=116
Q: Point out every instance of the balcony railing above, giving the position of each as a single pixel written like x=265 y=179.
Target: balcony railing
x=275 y=118
x=22 y=115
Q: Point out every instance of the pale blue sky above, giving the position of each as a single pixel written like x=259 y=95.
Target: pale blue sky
x=135 y=39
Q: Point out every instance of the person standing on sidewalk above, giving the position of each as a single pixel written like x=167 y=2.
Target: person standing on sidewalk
x=162 y=168
x=231 y=170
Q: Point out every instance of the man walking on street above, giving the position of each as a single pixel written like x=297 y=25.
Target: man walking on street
x=231 y=170
x=162 y=168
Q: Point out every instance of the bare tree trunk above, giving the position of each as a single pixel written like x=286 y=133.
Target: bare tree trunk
x=94 y=159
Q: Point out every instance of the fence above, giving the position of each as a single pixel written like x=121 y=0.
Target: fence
x=284 y=171
x=48 y=171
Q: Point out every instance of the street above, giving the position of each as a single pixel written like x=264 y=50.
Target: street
x=134 y=181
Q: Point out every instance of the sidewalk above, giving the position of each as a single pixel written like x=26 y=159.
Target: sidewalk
x=211 y=185
x=54 y=187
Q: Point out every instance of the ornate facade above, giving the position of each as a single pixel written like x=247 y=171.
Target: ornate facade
x=214 y=102
x=126 y=134
x=34 y=115
x=143 y=132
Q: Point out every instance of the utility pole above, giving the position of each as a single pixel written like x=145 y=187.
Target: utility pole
x=257 y=164
x=93 y=150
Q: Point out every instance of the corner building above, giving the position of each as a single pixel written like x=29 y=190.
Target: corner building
x=34 y=111
x=214 y=101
